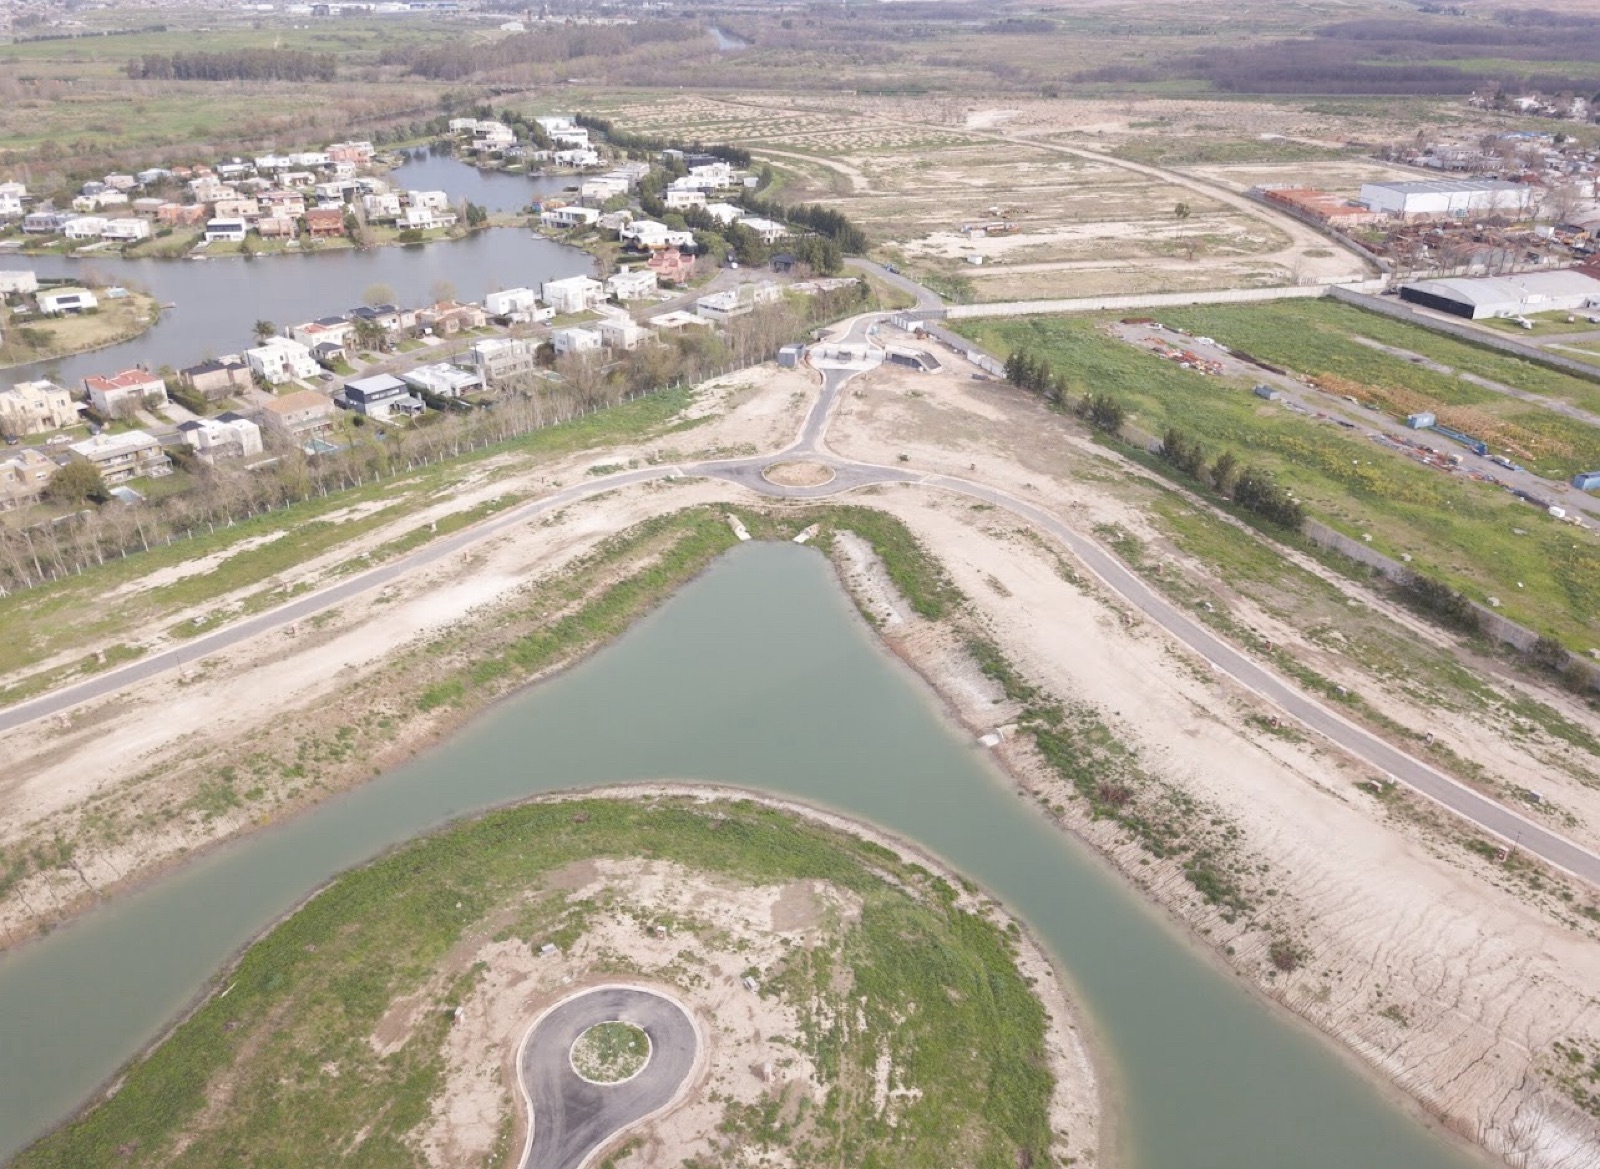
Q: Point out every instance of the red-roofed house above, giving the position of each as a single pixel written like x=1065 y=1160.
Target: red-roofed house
x=124 y=392
x=671 y=266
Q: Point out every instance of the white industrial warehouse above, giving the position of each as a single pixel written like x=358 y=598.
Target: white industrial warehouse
x=1437 y=198
x=1507 y=296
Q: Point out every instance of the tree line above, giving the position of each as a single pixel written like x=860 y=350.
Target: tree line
x=235 y=65
x=1254 y=489
x=643 y=145
x=1101 y=410
x=547 y=46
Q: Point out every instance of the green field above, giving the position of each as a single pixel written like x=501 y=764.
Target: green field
x=1475 y=537
x=936 y=983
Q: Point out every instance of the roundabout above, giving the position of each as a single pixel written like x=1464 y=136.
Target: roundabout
x=597 y=1063
x=798 y=474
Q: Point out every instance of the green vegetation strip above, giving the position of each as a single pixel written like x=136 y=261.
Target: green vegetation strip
x=1473 y=537
x=287 y=1046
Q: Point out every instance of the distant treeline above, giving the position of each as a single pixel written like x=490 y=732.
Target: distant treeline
x=547 y=46
x=235 y=65
x=1398 y=56
x=647 y=144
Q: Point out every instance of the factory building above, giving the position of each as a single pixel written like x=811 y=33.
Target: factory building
x=1507 y=296
x=1448 y=198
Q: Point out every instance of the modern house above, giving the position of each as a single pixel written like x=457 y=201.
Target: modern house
x=324 y=329
x=498 y=358
x=576 y=341
x=18 y=282
x=510 y=301
x=281 y=360
x=447 y=381
x=84 y=227
x=58 y=301
x=46 y=222
x=723 y=307
x=381 y=397
x=449 y=317
x=635 y=284
x=566 y=218
x=228 y=436
x=391 y=318
x=126 y=230
x=303 y=414
x=682 y=200
x=34 y=407
x=621 y=332
x=120 y=457
x=575 y=294
x=24 y=476
x=123 y=393
x=769 y=230
x=218 y=378
x=230 y=231
x=724 y=213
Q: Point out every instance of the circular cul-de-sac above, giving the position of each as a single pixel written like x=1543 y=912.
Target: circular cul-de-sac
x=610 y=1053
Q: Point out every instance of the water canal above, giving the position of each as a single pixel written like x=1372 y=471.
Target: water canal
x=760 y=675
x=217 y=302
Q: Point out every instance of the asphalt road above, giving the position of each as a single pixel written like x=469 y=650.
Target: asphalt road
x=1495 y=818
x=570 y=1117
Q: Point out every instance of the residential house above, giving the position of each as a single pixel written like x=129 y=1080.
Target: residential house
x=634 y=284
x=153 y=175
x=621 y=332
x=672 y=266
x=381 y=208
x=390 y=318
x=291 y=203
x=121 y=394
x=336 y=191
x=683 y=200
x=182 y=214
x=448 y=317
x=324 y=223
x=58 y=301
x=426 y=219
x=302 y=414
x=678 y=319
x=46 y=221
x=230 y=231
x=381 y=397
x=84 y=227
x=229 y=436
x=510 y=301
x=281 y=360
x=575 y=158
x=770 y=231
x=148 y=206
x=100 y=202
x=277 y=227
x=575 y=294
x=126 y=230
x=312 y=333
x=24 y=476
x=724 y=213
x=120 y=457
x=10 y=204
x=567 y=218
x=329 y=354
x=603 y=187
x=218 y=378
x=246 y=209
x=446 y=381
x=431 y=200
x=121 y=182
x=34 y=407
x=551 y=123
x=18 y=282
x=649 y=235
x=491 y=137
x=357 y=153
x=497 y=358
x=576 y=341
x=723 y=307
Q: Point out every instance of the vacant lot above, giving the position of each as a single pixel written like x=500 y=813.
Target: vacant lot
x=1476 y=537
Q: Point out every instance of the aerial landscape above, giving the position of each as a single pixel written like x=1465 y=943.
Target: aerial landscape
x=750 y=583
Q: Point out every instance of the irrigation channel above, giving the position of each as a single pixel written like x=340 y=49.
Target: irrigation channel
x=759 y=674
x=218 y=301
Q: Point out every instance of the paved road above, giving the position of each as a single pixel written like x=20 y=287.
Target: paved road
x=1492 y=817
x=570 y=1117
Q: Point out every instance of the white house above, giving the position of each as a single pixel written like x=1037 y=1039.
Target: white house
x=769 y=230
x=683 y=200
x=230 y=231
x=576 y=341
x=228 y=436
x=433 y=200
x=126 y=230
x=18 y=282
x=604 y=187
x=648 y=233
x=84 y=227
x=497 y=358
x=66 y=300
x=120 y=457
x=575 y=294
x=575 y=158
x=723 y=307
x=11 y=203
x=426 y=218
x=447 y=381
x=510 y=300
x=621 y=332
x=633 y=285
x=381 y=208
x=724 y=213
x=132 y=389
x=565 y=218
x=281 y=360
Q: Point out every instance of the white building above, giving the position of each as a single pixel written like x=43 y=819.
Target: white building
x=632 y=285
x=11 y=202
x=14 y=282
x=510 y=301
x=1506 y=296
x=576 y=341
x=621 y=332
x=566 y=218
x=447 y=381
x=498 y=358
x=227 y=437
x=120 y=457
x=654 y=236
x=125 y=392
x=57 y=301
x=723 y=307
x=1438 y=198
x=281 y=360
x=383 y=207
x=683 y=200
x=230 y=231
x=724 y=213
x=769 y=230
x=575 y=294
x=126 y=230
x=575 y=158
x=84 y=227
x=603 y=187
x=426 y=219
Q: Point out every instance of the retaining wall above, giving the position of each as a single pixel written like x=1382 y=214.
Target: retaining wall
x=1091 y=304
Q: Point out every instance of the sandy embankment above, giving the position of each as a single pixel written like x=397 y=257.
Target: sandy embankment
x=1452 y=987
